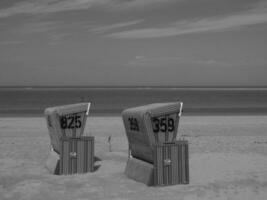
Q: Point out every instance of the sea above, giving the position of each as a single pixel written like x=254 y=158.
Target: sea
x=105 y=101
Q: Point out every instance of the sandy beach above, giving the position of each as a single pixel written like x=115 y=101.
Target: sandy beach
x=228 y=160
x=205 y=59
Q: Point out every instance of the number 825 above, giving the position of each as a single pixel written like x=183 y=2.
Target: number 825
x=70 y=122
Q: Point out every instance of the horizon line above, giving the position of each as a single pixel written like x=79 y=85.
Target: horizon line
x=129 y=86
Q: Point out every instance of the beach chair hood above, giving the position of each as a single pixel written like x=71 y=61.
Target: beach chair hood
x=66 y=121
x=151 y=124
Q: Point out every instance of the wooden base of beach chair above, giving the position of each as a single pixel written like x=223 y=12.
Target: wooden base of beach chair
x=171 y=163
x=170 y=167
x=52 y=162
x=139 y=171
x=77 y=155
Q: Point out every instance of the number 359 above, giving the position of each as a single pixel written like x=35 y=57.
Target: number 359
x=163 y=125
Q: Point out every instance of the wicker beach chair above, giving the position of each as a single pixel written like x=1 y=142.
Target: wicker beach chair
x=151 y=132
x=73 y=151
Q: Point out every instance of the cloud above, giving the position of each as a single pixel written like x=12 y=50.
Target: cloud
x=105 y=28
x=47 y=6
x=257 y=15
x=52 y=6
x=133 y=4
x=163 y=61
x=57 y=38
x=187 y=27
x=144 y=61
x=11 y=42
x=38 y=27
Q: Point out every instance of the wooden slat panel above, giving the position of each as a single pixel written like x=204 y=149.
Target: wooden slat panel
x=77 y=155
x=92 y=153
x=70 y=142
x=186 y=181
x=171 y=165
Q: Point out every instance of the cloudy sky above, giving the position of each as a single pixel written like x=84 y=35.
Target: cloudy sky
x=133 y=42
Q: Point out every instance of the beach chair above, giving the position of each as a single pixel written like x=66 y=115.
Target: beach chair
x=155 y=156
x=71 y=152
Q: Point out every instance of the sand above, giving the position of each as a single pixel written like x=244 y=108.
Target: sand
x=228 y=160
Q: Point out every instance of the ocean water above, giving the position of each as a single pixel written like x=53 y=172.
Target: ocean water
x=111 y=101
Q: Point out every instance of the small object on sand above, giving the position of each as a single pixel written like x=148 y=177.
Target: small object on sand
x=109 y=143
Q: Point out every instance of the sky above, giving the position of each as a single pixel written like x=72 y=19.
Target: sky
x=133 y=43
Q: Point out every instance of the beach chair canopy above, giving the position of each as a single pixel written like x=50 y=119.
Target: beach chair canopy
x=149 y=125
x=66 y=121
